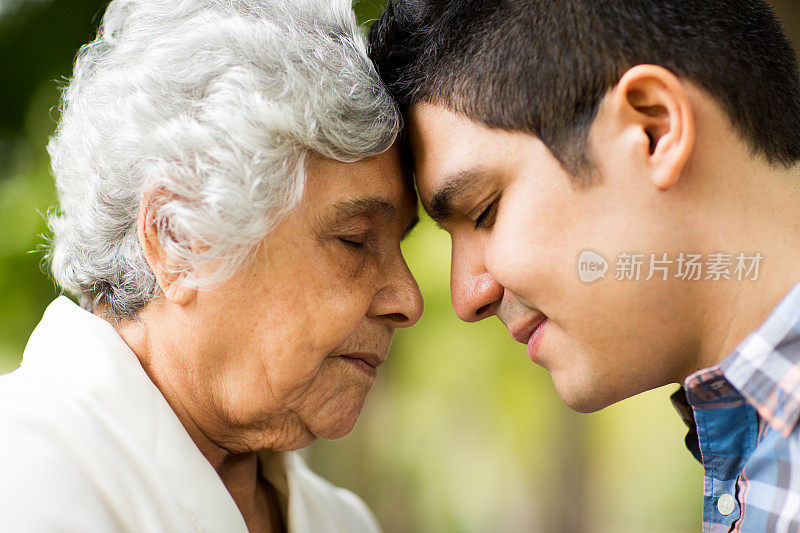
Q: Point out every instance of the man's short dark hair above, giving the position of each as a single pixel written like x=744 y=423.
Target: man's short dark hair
x=543 y=66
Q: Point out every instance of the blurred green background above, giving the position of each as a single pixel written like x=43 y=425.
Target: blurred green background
x=461 y=433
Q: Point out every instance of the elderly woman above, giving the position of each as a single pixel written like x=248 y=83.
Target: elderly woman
x=231 y=210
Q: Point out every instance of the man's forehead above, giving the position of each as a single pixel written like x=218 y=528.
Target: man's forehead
x=441 y=160
x=446 y=144
x=432 y=145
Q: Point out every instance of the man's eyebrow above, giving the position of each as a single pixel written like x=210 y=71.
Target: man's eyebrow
x=455 y=185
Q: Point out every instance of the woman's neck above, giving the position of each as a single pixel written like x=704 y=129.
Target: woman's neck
x=255 y=497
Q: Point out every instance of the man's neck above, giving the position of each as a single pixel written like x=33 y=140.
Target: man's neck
x=765 y=221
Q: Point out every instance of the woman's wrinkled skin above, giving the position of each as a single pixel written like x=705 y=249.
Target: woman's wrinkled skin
x=283 y=353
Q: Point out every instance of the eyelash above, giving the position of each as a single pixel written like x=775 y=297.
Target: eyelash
x=483 y=216
x=353 y=244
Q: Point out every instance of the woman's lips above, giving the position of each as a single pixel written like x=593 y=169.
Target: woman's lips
x=366 y=362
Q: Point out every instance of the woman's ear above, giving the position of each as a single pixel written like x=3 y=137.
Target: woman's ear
x=650 y=109
x=168 y=275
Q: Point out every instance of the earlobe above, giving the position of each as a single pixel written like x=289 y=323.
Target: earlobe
x=659 y=108
x=167 y=276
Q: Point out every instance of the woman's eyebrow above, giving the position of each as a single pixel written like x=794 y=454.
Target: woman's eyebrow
x=369 y=205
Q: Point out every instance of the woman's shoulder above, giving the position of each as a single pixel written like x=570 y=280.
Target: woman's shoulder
x=34 y=401
x=88 y=439
x=61 y=465
x=69 y=463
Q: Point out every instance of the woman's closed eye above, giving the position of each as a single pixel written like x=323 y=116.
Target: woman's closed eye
x=354 y=241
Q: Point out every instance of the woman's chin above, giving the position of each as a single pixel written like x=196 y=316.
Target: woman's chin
x=339 y=425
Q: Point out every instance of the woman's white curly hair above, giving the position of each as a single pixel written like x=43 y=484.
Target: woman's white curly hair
x=212 y=107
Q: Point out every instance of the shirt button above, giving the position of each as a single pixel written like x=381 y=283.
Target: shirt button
x=726 y=504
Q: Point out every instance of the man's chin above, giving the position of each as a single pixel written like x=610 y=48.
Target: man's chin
x=582 y=399
x=585 y=407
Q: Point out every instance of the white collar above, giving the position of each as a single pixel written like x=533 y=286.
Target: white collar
x=87 y=351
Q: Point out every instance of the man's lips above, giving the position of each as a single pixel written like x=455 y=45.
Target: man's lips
x=522 y=332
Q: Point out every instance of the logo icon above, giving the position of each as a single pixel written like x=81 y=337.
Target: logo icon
x=591 y=266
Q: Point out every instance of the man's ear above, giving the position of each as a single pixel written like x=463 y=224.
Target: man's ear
x=650 y=107
x=168 y=276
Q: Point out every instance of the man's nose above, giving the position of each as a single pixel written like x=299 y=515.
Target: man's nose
x=474 y=292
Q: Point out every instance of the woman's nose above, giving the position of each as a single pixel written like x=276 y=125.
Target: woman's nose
x=400 y=301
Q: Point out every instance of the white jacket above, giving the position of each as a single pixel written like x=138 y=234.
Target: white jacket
x=88 y=443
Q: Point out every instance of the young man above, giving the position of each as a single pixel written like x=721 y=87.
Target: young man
x=621 y=183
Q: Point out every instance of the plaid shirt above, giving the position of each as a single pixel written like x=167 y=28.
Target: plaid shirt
x=743 y=427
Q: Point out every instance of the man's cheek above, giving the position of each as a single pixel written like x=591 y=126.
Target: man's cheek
x=511 y=259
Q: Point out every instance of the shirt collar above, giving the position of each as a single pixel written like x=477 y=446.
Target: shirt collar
x=764 y=370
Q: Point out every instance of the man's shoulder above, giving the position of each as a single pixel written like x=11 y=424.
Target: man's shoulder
x=768 y=486
x=775 y=449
